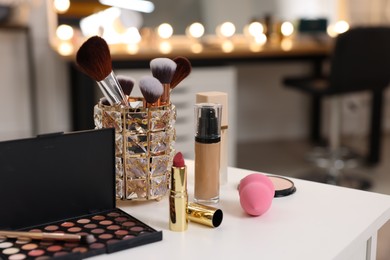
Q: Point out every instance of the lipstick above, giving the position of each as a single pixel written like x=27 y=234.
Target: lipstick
x=178 y=197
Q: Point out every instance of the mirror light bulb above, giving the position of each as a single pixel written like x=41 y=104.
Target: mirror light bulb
x=165 y=30
x=287 y=28
x=341 y=27
x=227 y=29
x=65 y=49
x=64 y=32
x=195 y=30
x=61 y=6
x=255 y=29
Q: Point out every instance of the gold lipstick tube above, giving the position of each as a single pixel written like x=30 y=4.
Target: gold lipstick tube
x=178 y=199
x=205 y=215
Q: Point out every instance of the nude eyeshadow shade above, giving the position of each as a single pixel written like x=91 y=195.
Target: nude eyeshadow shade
x=113 y=230
x=68 y=182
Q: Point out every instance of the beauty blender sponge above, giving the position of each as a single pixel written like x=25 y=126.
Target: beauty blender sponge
x=256 y=194
x=256 y=177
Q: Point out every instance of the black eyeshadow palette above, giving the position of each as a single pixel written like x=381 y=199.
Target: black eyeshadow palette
x=64 y=183
x=113 y=231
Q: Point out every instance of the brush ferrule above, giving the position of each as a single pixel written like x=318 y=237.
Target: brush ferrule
x=165 y=98
x=112 y=90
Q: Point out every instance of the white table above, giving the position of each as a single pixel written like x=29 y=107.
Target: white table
x=318 y=222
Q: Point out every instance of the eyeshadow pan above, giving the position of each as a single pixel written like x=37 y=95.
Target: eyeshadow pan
x=97 y=245
x=29 y=246
x=113 y=227
x=36 y=252
x=121 y=232
x=137 y=229
x=97 y=231
x=46 y=243
x=112 y=241
x=17 y=257
x=83 y=221
x=113 y=214
x=51 y=228
x=90 y=226
x=74 y=229
x=62 y=253
x=54 y=248
x=11 y=251
x=121 y=219
x=2 y=238
x=106 y=236
x=80 y=249
x=105 y=222
x=98 y=217
x=71 y=245
x=6 y=244
x=42 y=258
x=128 y=224
x=23 y=240
x=67 y=224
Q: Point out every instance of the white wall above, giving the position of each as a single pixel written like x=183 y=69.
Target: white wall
x=52 y=77
x=15 y=112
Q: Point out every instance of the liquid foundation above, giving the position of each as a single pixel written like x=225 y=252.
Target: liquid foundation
x=207 y=152
x=219 y=98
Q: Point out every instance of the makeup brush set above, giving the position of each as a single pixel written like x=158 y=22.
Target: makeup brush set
x=144 y=126
x=94 y=59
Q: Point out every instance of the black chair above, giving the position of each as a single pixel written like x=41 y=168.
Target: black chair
x=360 y=62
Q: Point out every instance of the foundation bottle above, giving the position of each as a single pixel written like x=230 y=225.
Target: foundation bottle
x=219 y=98
x=207 y=152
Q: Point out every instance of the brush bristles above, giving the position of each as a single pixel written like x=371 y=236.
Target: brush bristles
x=127 y=83
x=182 y=71
x=94 y=58
x=151 y=88
x=163 y=69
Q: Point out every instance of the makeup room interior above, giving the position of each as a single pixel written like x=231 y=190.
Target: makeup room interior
x=269 y=125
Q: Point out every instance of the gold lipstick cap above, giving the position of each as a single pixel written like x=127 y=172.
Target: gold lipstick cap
x=204 y=215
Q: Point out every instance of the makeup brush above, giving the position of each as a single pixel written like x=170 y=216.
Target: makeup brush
x=182 y=71
x=94 y=59
x=163 y=70
x=152 y=89
x=127 y=84
x=86 y=239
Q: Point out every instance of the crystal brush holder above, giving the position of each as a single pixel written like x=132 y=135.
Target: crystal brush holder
x=144 y=148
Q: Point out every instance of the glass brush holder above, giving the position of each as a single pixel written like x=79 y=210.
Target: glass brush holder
x=144 y=147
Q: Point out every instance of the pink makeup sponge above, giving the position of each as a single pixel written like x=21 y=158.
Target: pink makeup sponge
x=256 y=193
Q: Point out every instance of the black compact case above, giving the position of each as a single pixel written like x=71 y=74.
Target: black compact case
x=65 y=183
